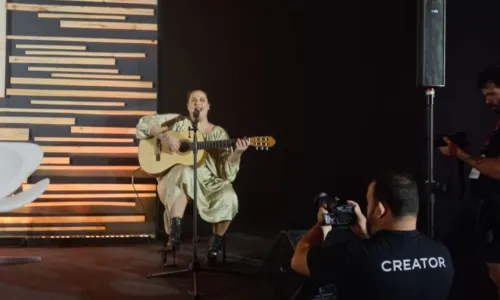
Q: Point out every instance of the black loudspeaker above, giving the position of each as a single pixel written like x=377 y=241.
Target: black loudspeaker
x=288 y=284
x=431 y=40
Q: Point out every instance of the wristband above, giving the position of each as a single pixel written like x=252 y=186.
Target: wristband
x=327 y=220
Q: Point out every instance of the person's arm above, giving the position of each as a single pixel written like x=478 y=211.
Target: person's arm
x=312 y=257
x=313 y=238
x=155 y=130
x=151 y=125
x=323 y=260
x=489 y=166
x=234 y=158
x=229 y=160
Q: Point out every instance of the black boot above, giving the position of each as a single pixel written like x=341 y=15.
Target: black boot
x=175 y=233
x=214 y=246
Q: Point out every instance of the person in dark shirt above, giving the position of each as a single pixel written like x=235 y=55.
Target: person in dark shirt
x=384 y=256
x=485 y=173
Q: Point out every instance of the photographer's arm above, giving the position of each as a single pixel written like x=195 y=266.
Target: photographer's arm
x=314 y=237
x=489 y=166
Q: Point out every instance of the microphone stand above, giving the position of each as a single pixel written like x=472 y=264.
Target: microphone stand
x=432 y=187
x=195 y=266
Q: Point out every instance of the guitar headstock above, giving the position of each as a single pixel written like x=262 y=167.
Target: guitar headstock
x=262 y=142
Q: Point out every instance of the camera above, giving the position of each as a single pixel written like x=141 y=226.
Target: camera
x=459 y=138
x=340 y=213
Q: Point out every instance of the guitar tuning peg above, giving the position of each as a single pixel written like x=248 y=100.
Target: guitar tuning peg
x=267 y=148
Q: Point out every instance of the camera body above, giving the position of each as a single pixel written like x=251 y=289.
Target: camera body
x=340 y=213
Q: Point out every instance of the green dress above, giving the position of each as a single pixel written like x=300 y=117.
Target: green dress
x=217 y=200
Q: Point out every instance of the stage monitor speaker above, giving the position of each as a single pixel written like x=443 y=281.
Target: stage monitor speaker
x=288 y=284
x=431 y=40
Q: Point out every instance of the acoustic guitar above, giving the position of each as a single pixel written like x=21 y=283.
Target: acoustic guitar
x=155 y=157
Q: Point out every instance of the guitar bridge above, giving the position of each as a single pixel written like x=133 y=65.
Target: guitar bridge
x=158 y=149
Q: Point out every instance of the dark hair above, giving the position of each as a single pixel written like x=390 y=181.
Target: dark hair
x=489 y=74
x=195 y=90
x=399 y=191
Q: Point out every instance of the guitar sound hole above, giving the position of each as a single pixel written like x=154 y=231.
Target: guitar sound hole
x=185 y=147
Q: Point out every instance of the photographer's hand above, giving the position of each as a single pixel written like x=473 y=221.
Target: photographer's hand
x=321 y=221
x=360 y=228
x=321 y=218
x=451 y=149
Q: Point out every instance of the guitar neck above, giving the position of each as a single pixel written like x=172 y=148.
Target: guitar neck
x=216 y=144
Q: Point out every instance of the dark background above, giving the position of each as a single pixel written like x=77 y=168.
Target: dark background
x=341 y=100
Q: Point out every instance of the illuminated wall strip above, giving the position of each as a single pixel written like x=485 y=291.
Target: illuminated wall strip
x=103 y=130
x=91 y=171
x=95 y=54
x=55 y=47
x=80 y=39
x=139 y=2
x=81 y=9
x=79 y=16
x=109 y=25
x=96 y=76
x=75 y=70
x=55 y=228
x=86 y=171
x=14 y=134
x=98 y=196
x=80 y=204
x=92 y=150
x=61 y=60
x=3 y=46
x=82 y=82
x=89 y=168
x=87 y=236
x=94 y=187
x=81 y=94
x=76 y=103
x=79 y=111
x=37 y=120
x=83 y=140
x=55 y=161
x=71 y=219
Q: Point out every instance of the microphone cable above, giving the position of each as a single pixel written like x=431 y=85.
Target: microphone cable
x=135 y=190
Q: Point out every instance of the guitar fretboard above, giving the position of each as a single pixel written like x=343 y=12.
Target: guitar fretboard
x=216 y=144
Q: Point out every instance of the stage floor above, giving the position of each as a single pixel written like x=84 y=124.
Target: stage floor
x=119 y=272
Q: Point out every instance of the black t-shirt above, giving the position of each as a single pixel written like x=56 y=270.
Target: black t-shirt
x=486 y=187
x=402 y=265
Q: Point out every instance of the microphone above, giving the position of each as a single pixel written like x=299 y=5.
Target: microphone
x=196 y=113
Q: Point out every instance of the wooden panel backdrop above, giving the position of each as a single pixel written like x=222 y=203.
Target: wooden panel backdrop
x=75 y=77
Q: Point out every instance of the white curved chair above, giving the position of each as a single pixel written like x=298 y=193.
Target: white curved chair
x=17 y=162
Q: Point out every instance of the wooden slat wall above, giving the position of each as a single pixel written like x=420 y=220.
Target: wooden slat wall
x=3 y=45
x=74 y=83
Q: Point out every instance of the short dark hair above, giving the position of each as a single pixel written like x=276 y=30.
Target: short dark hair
x=399 y=191
x=487 y=75
x=195 y=90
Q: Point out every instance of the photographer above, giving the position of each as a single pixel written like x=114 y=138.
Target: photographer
x=485 y=174
x=389 y=258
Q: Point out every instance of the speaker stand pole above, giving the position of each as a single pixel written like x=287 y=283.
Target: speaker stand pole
x=195 y=266
x=432 y=187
